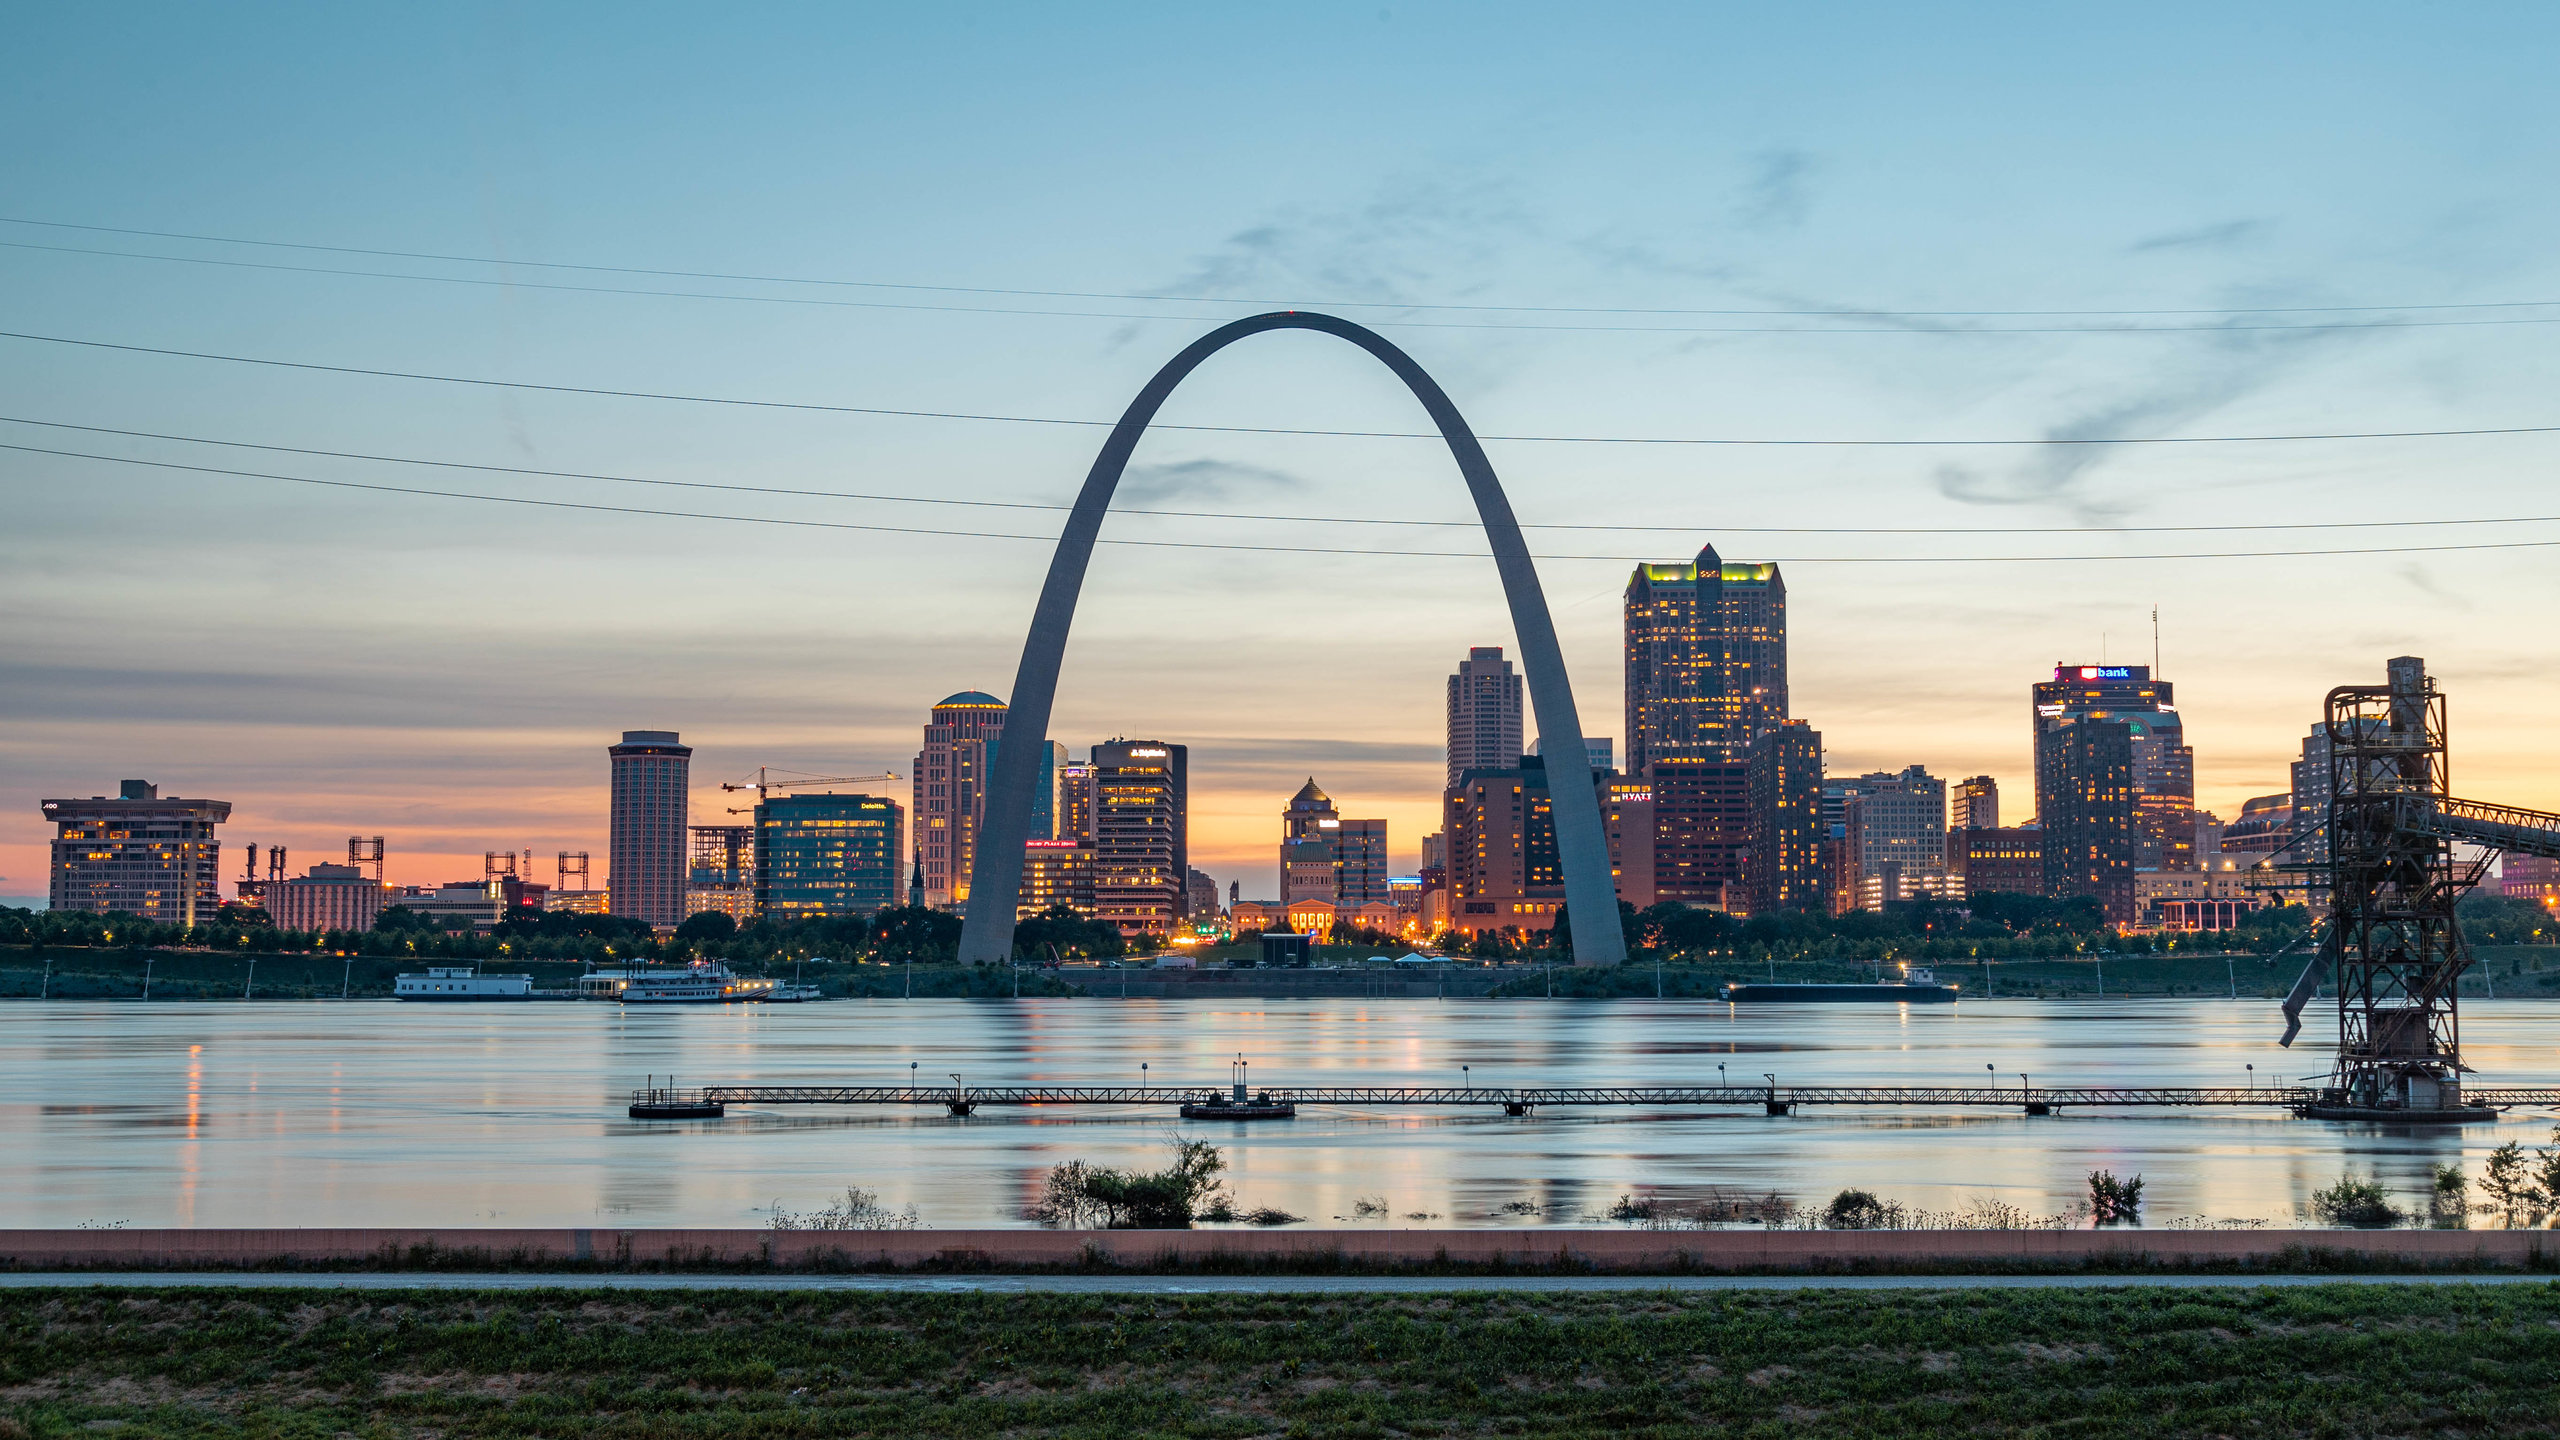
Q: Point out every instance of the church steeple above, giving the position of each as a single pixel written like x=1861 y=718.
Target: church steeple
x=915 y=884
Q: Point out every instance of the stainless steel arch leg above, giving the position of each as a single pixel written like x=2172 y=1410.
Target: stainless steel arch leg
x=995 y=878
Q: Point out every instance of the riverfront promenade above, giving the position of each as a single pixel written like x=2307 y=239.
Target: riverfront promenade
x=1566 y=1249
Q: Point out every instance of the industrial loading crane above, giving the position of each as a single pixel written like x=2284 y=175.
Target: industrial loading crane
x=2391 y=939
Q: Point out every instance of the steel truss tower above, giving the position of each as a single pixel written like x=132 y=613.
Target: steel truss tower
x=2393 y=884
x=2392 y=939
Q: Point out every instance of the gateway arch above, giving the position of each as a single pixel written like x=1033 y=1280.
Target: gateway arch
x=995 y=877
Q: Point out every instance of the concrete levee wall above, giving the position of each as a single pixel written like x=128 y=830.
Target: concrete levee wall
x=1618 y=1250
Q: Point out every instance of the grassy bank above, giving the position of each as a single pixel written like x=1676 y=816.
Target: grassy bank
x=2333 y=1360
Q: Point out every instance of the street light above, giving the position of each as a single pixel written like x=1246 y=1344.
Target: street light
x=2253 y=1077
x=1465 y=1079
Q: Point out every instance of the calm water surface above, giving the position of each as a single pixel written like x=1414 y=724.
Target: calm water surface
x=378 y=1113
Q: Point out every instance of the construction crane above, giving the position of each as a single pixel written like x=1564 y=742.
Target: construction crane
x=765 y=785
x=2392 y=940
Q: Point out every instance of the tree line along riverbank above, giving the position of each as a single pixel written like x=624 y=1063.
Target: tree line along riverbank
x=124 y=973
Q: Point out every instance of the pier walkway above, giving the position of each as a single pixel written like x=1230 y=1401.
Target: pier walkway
x=710 y=1100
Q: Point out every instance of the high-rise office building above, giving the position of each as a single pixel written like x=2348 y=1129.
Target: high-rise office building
x=1074 y=803
x=1782 y=866
x=1360 y=863
x=652 y=795
x=137 y=854
x=818 y=854
x=1484 y=713
x=2085 y=789
x=1902 y=821
x=2006 y=861
x=1141 y=834
x=1627 y=819
x=1054 y=873
x=2164 y=776
x=1975 y=804
x=1047 y=781
x=1702 y=831
x=1500 y=843
x=951 y=791
x=1706 y=659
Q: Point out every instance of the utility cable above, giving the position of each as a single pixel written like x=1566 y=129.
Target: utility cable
x=1954 y=330
x=1215 y=545
x=1299 y=303
x=1047 y=505
x=812 y=406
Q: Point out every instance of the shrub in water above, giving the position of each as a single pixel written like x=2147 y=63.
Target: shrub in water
x=860 y=1209
x=2355 y=1201
x=1859 y=1210
x=2113 y=1201
x=1080 y=1196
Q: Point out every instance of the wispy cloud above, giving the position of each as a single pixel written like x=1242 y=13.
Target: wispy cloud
x=1778 y=193
x=1200 y=480
x=2204 y=237
x=2227 y=366
x=1416 y=240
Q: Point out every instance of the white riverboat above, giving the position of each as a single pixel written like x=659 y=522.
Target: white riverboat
x=461 y=982
x=703 y=982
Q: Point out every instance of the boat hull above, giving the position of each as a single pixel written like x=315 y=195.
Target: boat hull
x=1843 y=994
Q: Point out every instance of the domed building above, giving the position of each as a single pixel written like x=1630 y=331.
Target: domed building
x=951 y=777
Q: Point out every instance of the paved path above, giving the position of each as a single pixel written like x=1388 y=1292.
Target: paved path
x=1208 y=1284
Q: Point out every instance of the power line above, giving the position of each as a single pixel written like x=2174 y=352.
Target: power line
x=1215 y=545
x=1298 y=302
x=812 y=406
x=1956 y=330
x=1044 y=505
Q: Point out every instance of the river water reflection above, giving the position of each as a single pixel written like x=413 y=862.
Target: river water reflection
x=377 y=1113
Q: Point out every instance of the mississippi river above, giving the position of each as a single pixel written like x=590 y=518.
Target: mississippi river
x=376 y=1113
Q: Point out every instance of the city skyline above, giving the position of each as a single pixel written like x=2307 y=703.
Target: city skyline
x=440 y=671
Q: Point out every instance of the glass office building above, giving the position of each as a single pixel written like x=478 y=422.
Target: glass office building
x=829 y=855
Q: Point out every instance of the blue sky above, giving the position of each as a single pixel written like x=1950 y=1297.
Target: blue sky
x=446 y=672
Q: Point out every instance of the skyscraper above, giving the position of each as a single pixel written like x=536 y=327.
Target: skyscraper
x=652 y=796
x=138 y=854
x=1706 y=659
x=1783 y=866
x=1141 y=834
x=950 y=790
x=2085 y=789
x=1902 y=821
x=1500 y=845
x=1074 y=804
x=1047 y=782
x=2164 y=776
x=1702 y=831
x=1484 y=713
x=1360 y=863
